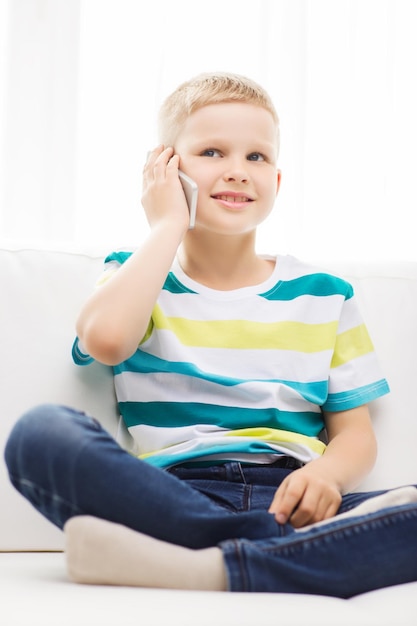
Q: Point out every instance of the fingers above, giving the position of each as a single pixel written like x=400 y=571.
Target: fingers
x=314 y=507
x=286 y=500
x=158 y=160
x=304 y=499
x=151 y=158
x=163 y=197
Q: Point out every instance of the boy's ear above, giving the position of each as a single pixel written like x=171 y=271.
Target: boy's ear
x=278 y=181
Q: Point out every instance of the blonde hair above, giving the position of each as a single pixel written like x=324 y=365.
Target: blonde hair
x=205 y=89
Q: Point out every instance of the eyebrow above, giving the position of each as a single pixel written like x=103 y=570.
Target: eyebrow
x=213 y=141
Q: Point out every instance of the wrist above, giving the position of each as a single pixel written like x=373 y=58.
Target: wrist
x=170 y=230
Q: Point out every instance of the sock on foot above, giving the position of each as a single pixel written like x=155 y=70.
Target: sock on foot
x=101 y=552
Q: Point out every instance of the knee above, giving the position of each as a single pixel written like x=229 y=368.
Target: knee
x=34 y=432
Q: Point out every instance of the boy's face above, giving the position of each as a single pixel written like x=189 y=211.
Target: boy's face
x=230 y=150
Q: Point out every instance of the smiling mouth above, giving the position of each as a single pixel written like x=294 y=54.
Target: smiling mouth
x=236 y=199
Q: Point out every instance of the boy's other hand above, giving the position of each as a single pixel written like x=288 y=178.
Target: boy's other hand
x=305 y=496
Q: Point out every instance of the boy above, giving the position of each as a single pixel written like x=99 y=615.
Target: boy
x=228 y=365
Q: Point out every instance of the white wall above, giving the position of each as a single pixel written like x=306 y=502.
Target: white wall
x=82 y=80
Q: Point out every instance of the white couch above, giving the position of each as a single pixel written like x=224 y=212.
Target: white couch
x=41 y=293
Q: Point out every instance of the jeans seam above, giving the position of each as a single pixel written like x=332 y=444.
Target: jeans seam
x=24 y=482
x=247 y=497
x=296 y=541
x=290 y=547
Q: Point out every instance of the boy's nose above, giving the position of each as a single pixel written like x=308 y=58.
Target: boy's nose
x=236 y=173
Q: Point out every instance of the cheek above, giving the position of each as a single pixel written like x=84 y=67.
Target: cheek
x=204 y=184
x=270 y=192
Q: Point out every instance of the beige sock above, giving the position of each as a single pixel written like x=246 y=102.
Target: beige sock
x=103 y=553
x=395 y=497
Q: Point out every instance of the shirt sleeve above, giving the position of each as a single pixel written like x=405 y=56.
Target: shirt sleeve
x=111 y=264
x=355 y=376
x=79 y=355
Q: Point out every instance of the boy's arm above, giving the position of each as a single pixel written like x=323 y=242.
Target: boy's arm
x=116 y=316
x=314 y=492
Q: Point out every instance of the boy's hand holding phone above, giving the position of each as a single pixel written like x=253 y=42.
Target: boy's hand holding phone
x=158 y=193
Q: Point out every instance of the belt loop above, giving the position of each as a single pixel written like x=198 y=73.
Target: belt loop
x=234 y=472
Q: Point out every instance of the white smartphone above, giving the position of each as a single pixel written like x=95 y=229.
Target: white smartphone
x=191 y=194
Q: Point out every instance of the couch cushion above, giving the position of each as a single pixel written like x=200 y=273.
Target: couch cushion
x=41 y=294
x=36 y=591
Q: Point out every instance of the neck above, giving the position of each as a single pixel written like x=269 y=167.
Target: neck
x=223 y=263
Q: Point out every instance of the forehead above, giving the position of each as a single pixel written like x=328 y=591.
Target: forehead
x=230 y=120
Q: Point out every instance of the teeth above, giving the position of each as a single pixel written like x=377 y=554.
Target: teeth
x=233 y=198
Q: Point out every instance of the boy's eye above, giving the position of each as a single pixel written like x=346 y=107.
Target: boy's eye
x=256 y=156
x=210 y=152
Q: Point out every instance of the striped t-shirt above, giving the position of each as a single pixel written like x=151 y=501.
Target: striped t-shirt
x=244 y=374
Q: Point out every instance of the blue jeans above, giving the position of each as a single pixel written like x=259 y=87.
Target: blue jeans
x=66 y=464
